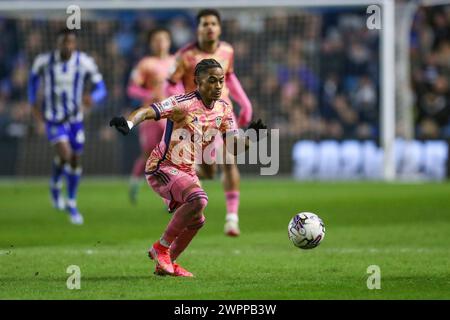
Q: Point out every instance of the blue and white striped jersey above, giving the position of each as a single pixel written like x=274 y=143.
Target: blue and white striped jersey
x=63 y=84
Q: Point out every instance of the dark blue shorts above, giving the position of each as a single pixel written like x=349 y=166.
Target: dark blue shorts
x=72 y=132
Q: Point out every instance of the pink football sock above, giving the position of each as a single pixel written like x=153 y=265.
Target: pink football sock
x=185 y=237
x=182 y=218
x=138 y=167
x=232 y=201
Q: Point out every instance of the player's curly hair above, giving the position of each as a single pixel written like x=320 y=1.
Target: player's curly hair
x=208 y=12
x=204 y=65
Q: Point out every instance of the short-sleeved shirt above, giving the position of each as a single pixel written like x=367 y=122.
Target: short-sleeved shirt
x=64 y=83
x=191 y=129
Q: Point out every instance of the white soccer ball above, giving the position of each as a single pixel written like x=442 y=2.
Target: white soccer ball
x=306 y=230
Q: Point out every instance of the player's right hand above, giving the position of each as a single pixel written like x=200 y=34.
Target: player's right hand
x=257 y=125
x=121 y=125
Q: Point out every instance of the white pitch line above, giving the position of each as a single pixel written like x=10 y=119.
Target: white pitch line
x=284 y=250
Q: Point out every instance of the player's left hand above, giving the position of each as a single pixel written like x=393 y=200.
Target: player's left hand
x=245 y=116
x=121 y=125
x=257 y=125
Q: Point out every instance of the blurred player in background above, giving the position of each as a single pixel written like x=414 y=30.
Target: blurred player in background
x=172 y=176
x=147 y=85
x=64 y=72
x=208 y=45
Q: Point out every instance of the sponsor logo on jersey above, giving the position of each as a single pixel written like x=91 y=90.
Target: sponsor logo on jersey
x=166 y=105
x=218 y=121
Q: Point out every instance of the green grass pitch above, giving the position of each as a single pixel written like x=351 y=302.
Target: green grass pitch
x=402 y=228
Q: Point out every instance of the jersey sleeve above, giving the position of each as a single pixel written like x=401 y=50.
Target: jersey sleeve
x=178 y=70
x=92 y=69
x=138 y=74
x=228 y=127
x=36 y=71
x=231 y=64
x=39 y=63
x=169 y=108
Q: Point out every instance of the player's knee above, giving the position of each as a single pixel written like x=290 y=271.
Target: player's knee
x=65 y=157
x=208 y=175
x=64 y=152
x=58 y=161
x=75 y=161
x=197 y=199
x=199 y=204
x=231 y=168
x=209 y=172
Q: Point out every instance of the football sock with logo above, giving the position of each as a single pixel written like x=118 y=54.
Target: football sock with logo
x=186 y=236
x=181 y=219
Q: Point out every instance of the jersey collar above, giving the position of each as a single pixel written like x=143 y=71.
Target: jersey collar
x=200 y=98
x=57 y=55
x=197 y=44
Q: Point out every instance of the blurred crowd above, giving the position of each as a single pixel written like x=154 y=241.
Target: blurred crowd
x=312 y=74
x=430 y=58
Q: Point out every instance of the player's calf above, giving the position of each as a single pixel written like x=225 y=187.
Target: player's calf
x=198 y=205
x=183 y=240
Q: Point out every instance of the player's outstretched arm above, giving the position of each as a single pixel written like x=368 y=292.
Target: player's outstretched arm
x=248 y=138
x=238 y=94
x=174 y=83
x=136 y=87
x=124 y=125
x=173 y=88
x=137 y=92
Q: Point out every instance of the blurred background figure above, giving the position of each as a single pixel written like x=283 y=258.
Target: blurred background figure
x=63 y=73
x=147 y=85
x=209 y=46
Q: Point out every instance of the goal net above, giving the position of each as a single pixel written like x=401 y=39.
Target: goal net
x=317 y=73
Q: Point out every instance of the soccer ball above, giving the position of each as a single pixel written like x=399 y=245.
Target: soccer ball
x=306 y=230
